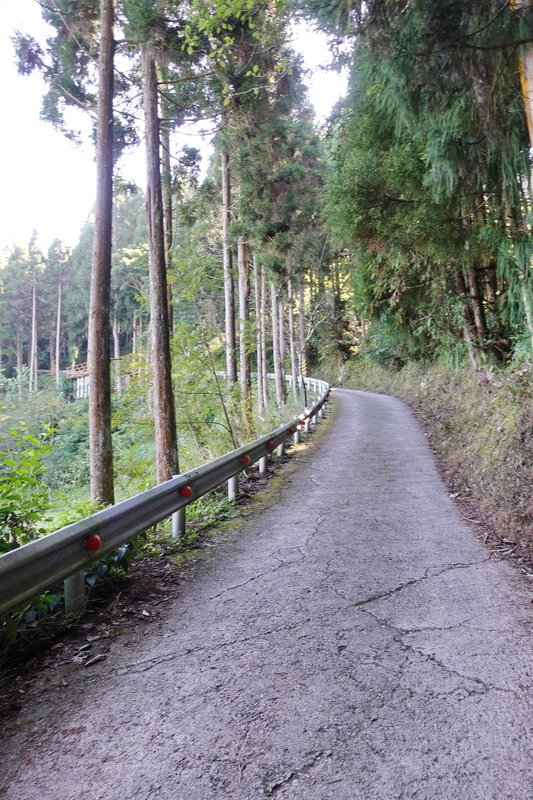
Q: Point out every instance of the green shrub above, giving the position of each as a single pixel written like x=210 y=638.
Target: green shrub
x=23 y=494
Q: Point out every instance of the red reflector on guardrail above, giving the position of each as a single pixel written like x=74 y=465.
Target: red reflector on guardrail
x=270 y=445
x=93 y=543
x=245 y=460
x=186 y=491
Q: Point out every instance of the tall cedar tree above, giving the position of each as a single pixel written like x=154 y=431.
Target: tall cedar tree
x=101 y=447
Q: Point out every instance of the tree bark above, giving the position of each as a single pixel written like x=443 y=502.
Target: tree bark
x=301 y=326
x=244 y=350
x=476 y=297
x=167 y=204
x=258 y=338
x=281 y=334
x=525 y=67
x=262 y=333
x=33 y=345
x=19 y=352
x=278 y=369
x=58 y=332
x=292 y=337
x=100 y=442
x=528 y=307
x=468 y=326
x=116 y=354
x=164 y=409
x=229 y=293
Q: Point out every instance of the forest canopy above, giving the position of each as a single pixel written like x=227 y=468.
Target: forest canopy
x=400 y=230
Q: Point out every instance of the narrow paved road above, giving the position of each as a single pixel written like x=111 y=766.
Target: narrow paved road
x=352 y=642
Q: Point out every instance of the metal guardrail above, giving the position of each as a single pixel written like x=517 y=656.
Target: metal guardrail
x=66 y=553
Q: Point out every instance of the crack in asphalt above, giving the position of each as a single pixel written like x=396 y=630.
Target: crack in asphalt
x=319 y=668
x=428 y=575
x=253 y=578
x=296 y=773
x=399 y=638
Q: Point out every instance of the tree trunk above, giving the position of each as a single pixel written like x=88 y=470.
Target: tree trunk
x=474 y=290
x=138 y=343
x=278 y=369
x=468 y=326
x=301 y=326
x=262 y=332
x=58 y=333
x=100 y=442
x=292 y=342
x=311 y=289
x=167 y=203
x=525 y=66
x=19 y=362
x=134 y=344
x=281 y=334
x=164 y=409
x=229 y=293
x=33 y=346
x=258 y=338
x=244 y=354
x=528 y=307
x=51 y=351
x=116 y=354
x=520 y=223
x=19 y=352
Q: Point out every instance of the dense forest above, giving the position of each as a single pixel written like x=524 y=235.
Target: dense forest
x=398 y=235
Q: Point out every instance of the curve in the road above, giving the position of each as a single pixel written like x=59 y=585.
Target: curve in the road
x=354 y=642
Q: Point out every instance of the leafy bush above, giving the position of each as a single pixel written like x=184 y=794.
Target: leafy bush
x=23 y=494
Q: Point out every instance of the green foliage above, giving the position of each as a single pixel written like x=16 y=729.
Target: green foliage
x=207 y=512
x=67 y=461
x=23 y=494
x=427 y=182
x=66 y=60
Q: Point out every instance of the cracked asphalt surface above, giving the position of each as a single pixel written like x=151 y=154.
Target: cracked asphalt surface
x=352 y=641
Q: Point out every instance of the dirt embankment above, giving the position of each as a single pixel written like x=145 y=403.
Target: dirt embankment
x=482 y=434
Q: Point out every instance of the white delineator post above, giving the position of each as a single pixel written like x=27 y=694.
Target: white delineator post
x=179 y=524
x=233 y=487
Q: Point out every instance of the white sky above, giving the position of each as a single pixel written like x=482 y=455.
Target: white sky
x=47 y=182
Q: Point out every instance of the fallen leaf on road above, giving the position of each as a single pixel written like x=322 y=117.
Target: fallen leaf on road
x=94 y=660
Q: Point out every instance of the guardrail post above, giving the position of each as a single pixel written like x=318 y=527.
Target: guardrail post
x=321 y=412
x=280 y=449
x=296 y=436
x=233 y=487
x=307 y=426
x=75 y=597
x=179 y=522
x=263 y=465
